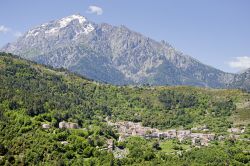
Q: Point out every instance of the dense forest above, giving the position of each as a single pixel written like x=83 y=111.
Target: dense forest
x=32 y=95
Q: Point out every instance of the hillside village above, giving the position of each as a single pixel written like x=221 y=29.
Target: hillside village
x=127 y=129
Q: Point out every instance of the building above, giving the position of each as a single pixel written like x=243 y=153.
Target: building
x=110 y=144
x=234 y=130
x=68 y=125
x=46 y=126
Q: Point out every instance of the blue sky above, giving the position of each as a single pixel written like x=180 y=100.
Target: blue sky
x=216 y=32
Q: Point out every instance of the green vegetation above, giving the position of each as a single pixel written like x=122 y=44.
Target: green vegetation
x=171 y=146
x=32 y=95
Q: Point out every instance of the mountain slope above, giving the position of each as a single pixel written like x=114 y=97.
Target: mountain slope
x=242 y=81
x=113 y=54
x=32 y=95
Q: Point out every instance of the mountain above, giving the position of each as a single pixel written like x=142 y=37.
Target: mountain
x=242 y=80
x=35 y=100
x=113 y=54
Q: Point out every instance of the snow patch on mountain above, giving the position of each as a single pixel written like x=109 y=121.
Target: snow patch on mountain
x=65 y=21
x=88 y=28
x=32 y=33
x=54 y=27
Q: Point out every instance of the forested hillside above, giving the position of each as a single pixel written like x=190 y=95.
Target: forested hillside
x=32 y=95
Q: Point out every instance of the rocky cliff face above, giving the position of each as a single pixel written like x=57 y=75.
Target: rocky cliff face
x=242 y=80
x=113 y=54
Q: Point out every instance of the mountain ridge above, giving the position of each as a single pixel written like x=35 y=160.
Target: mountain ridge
x=114 y=54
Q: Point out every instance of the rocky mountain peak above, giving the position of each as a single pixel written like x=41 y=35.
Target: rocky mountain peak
x=64 y=21
x=53 y=28
x=113 y=54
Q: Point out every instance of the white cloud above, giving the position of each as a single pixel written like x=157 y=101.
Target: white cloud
x=4 y=29
x=240 y=62
x=95 y=10
x=9 y=31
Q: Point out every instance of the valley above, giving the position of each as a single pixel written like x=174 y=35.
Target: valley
x=54 y=117
x=124 y=83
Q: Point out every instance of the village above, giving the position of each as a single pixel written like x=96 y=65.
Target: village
x=127 y=129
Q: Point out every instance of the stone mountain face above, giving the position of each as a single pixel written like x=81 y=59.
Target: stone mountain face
x=113 y=54
x=242 y=80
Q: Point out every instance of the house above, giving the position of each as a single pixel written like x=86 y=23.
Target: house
x=194 y=129
x=234 y=130
x=169 y=134
x=234 y=136
x=172 y=132
x=46 y=126
x=153 y=135
x=110 y=144
x=64 y=142
x=204 y=142
x=243 y=130
x=196 y=141
x=196 y=135
x=209 y=137
x=221 y=137
x=134 y=132
x=203 y=128
x=121 y=138
x=73 y=125
x=68 y=125
x=183 y=134
x=206 y=130
x=62 y=125
x=141 y=131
